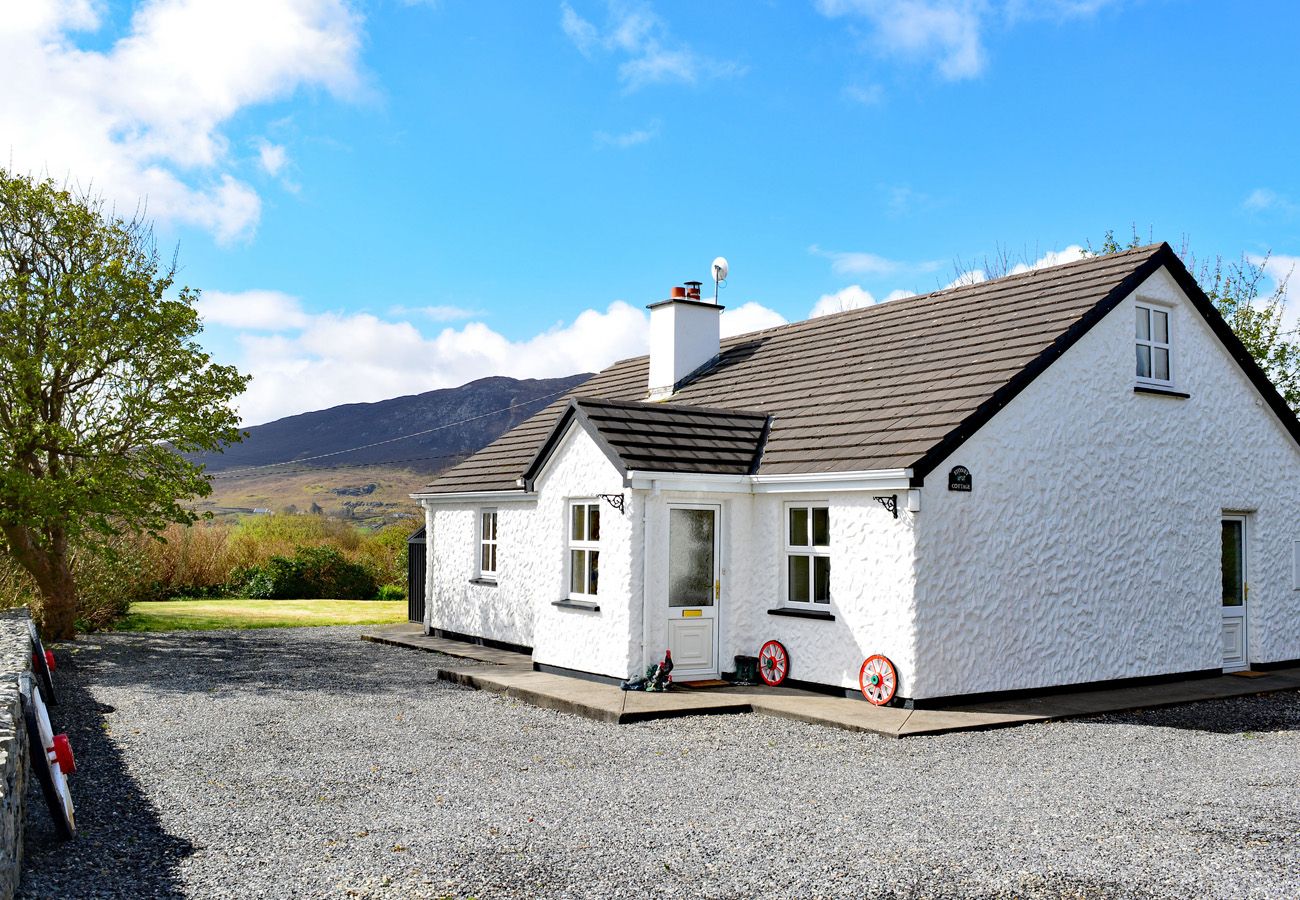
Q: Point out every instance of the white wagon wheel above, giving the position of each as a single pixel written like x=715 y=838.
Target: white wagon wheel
x=52 y=761
x=42 y=666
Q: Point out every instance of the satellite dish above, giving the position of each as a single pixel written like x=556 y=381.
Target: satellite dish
x=720 y=269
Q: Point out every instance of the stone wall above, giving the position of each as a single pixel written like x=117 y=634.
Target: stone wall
x=15 y=659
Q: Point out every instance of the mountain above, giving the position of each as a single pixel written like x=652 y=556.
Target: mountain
x=447 y=425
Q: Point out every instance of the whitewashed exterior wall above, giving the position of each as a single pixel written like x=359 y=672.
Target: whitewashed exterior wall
x=589 y=641
x=453 y=603
x=1089 y=548
x=871 y=583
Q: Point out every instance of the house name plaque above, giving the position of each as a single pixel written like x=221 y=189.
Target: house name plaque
x=959 y=479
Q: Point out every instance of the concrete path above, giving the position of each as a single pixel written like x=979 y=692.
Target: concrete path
x=512 y=674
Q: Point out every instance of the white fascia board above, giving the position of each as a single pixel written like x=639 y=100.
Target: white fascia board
x=869 y=480
x=878 y=480
x=476 y=497
x=689 y=481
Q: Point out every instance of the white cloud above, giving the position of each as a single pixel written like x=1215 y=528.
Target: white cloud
x=860 y=263
x=855 y=296
x=1279 y=269
x=301 y=361
x=945 y=33
x=749 y=317
x=650 y=54
x=948 y=34
x=252 y=310
x=1070 y=254
x=1268 y=200
x=628 y=138
x=272 y=157
x=145 y=118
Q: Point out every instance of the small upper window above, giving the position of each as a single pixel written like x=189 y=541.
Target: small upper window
x=808 y=555
x=487 y=544
x=584 y=549
x=1153 y=345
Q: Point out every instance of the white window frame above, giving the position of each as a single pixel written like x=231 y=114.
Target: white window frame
x=585 y=546
x=1153 y=345
x=486 y=542
x=810 y=550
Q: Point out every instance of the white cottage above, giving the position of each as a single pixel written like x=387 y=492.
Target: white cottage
x=1070 y=476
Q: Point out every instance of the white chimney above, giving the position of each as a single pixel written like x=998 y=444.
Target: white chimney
x=684 y=335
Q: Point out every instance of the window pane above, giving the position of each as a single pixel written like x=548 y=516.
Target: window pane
x=1143 y=324
x=1144 y=361
x=1160 y=326
x=577 y=571
x=485 y=558
x=493 y=548
x=1160 y=356
x=821 y=579
x=798 y=579
x=593 y=572
x=578 y=529
x=821 y=523
x=494 y=526
x=593 y=522
x=798 y=526
x=690 y=557
x=1233 y=583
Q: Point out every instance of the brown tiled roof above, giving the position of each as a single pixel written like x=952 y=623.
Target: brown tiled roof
x=664 y=437
x=891 y=386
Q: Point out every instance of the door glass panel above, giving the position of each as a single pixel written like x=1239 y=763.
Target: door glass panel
x=1234 y=583
x=821 y=579
x=690 y=557
x=798 y=527
x=798 y=579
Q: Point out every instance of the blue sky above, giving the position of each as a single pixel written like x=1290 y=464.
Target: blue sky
x=382 y=198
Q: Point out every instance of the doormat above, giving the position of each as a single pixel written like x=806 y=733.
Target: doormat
x=1249 y=674
x=695 y=685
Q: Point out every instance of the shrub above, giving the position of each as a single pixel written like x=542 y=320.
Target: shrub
x=391 y=592
x=312 y=573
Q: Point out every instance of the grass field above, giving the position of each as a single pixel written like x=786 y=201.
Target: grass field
x=205 y=615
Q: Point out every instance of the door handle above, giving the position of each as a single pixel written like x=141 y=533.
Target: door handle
x=717 y=590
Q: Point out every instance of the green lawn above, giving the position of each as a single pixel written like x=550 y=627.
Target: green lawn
x=203 y=615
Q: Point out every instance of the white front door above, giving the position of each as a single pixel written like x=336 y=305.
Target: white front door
x=693 y=591
x=1235 y=594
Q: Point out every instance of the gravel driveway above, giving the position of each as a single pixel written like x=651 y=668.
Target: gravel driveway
x=306 y=763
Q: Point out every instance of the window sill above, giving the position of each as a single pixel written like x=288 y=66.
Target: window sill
x=486 y=582
x=1161 y=391
x=568 y=603
x=802 y=613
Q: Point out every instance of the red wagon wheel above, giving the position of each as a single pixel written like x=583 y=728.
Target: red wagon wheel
x=878 y=680
x=773 y=663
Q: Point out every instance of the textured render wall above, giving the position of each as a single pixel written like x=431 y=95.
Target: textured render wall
x=503 y=612
x=15 y=659
x=590 y=641
x=1089 y=548
x=871 y=583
